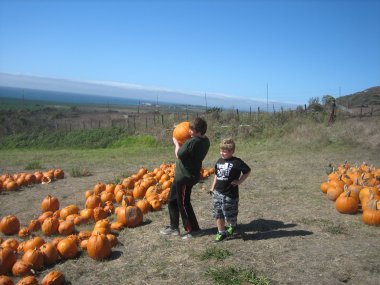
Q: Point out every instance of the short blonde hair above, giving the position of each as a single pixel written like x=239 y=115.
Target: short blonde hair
x=228 y=144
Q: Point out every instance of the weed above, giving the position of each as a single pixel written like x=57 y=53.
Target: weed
x=80 y=172
x=233 y=276
x=216 y=253
x=33 y=165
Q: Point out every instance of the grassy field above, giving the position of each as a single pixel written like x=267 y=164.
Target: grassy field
x=289 y=232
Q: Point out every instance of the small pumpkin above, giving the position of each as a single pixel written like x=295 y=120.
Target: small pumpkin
x=7 y=259
x=34 y=242
x=66 y=228
x=347 y=203
x=22 y=268
x=50 y=253
x=59 y=173
x=53 y=278
x=34 y=257
x=28 y=280
x=5 y=280
x=34 y=225
x=67 y=248
x=9 y=225
x=49 y=203
x=371 y=215
x=50 y=226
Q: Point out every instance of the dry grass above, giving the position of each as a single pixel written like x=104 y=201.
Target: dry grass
x=289 y=232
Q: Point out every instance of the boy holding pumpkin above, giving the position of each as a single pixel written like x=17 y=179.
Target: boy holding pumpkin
x=188 y=165
x=230 y=172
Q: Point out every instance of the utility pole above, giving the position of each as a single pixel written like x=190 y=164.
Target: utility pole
x=206 y=101
x=267 y=99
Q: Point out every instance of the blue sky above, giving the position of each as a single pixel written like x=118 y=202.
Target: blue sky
x=301 y=49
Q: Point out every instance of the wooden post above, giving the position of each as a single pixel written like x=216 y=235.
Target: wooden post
x=162 y=119
x=146 y=122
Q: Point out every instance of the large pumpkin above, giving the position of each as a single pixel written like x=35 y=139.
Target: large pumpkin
x=130 y=216
x=181 y=132
x=98 y=247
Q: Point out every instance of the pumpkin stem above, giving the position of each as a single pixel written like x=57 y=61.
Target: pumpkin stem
x=346 y=191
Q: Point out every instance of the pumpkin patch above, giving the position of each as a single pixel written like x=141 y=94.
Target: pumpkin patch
x=355 y=189
x=55 y=235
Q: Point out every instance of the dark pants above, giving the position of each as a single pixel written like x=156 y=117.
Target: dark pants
x=179 y=203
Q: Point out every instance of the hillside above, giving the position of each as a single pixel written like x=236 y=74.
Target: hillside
x=368 y=97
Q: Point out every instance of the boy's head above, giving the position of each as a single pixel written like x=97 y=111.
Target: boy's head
x=198 y=125
x=227 y=148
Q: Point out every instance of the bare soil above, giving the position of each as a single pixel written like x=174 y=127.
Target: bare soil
x=288 y=230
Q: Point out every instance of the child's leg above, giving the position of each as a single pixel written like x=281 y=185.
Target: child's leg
x=220 y=223
x=230 y=212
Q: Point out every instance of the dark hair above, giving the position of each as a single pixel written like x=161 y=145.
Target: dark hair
x=199 y=125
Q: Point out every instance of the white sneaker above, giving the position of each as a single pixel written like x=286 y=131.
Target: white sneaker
x=169 y=231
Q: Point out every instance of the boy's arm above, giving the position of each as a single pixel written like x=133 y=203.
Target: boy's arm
x=213 y=184
x=241 y=179
x=177 y=146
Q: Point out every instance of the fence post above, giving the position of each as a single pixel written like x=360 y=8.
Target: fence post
x=134 y=123
x=146 y=122
x=162 y=119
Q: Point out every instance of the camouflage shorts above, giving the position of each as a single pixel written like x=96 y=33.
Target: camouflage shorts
x=225 y=208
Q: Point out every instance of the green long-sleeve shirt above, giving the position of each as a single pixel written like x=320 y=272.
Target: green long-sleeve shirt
x=190 y=157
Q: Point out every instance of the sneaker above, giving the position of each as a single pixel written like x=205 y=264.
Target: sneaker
x=191 y=234
x=187 y=236
x=169 y=231
x=219 y=237
x=230 y=230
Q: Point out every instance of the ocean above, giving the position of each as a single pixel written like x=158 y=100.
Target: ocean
x=66 y=98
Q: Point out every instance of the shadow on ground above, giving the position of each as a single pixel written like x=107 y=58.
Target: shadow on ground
x=262 y=229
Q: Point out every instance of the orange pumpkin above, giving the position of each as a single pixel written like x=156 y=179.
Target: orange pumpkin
x=130 y=216
x=98 y=247
x=9 y=225
x=67 y=248
x=181 y=132
x=53 y=277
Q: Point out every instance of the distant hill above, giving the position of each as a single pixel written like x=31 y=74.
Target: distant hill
x=368 y=97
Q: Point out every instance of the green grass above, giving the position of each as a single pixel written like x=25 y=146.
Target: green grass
x=80 y=139
x=215 y=253
x=33 y=165
x=234 y=276
x=78 y=171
